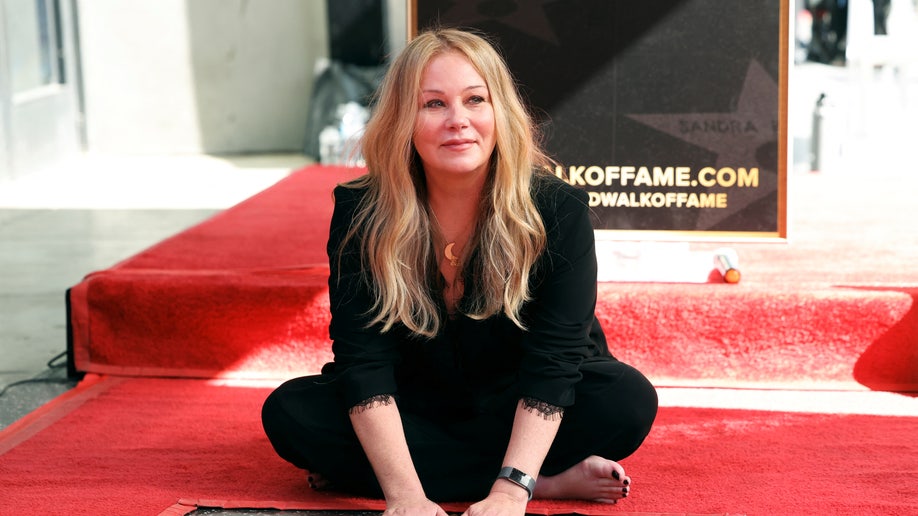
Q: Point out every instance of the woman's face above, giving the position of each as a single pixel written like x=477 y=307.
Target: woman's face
x=454 y=130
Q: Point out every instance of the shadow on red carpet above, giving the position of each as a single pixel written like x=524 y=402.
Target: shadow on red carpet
x=887 y=363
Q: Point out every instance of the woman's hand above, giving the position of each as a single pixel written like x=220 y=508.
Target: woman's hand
x=499 y=504
x=414 y=507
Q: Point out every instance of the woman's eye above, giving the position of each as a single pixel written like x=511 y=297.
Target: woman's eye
x=435 y=103
x=476 y=99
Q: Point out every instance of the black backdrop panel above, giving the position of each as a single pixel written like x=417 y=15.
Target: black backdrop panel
x=669 y=112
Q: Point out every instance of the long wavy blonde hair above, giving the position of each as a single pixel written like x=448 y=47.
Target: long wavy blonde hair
x=392 y=223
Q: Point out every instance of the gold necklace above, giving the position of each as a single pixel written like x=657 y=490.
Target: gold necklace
x=448 y=253
x=451 y=258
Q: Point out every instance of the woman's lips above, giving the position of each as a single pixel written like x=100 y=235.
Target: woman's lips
x=458 y=144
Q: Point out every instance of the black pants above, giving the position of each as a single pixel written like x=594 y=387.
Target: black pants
x=308 y=426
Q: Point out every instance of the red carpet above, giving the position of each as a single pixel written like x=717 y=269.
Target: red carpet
x=144 y=446
x=243 y=295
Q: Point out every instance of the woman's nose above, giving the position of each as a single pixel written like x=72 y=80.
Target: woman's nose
x=458 y=118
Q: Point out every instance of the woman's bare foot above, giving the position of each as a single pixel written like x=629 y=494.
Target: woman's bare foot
x=595 y=478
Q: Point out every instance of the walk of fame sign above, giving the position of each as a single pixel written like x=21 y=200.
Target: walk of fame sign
x=671 y=114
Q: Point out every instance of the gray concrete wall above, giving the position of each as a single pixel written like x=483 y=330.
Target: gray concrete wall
x=190 y=76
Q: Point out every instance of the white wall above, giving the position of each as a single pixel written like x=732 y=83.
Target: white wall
x=190 y=76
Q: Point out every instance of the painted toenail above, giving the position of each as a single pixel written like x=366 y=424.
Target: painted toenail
x=615 y=475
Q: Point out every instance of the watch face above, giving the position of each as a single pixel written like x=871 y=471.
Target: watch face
x=519 y=478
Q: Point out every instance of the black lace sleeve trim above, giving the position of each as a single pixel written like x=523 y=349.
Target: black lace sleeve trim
x=380 y=400
x=548 y=411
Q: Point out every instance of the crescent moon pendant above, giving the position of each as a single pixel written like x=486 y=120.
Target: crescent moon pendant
x=448 y=252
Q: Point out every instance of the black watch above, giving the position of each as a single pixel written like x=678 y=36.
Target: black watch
x=519 y=478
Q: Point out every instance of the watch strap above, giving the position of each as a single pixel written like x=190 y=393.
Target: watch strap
x=519 y=478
